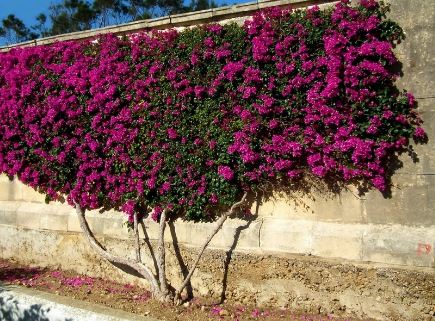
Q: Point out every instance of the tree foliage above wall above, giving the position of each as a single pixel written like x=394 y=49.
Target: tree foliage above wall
x=185 y=123
x=77 y=15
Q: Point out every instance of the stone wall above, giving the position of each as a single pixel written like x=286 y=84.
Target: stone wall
x=363 y=247
x=329 y=228
x=302 y=283
x=396 y=232
x=399 y=230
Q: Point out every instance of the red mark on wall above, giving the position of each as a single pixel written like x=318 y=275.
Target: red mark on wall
x=423 y=248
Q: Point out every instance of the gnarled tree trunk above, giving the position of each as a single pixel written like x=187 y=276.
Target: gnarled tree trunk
x=158 y=283
x=96 y=246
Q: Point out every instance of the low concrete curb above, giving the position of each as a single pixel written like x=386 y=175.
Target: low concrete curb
x=23 y=304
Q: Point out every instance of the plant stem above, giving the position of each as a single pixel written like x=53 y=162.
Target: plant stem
x=136 y=232
x=161 y=254
x=218 y=226
x=137 y=266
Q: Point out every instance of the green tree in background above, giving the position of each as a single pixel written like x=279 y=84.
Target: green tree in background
x=197 y=5
x=71 y=16
x=14 y=30
x=109 y=12
x=78 y=15
x=41 y=27
x=141 y=9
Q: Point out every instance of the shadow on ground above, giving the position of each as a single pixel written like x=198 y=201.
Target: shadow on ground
x=12 y=310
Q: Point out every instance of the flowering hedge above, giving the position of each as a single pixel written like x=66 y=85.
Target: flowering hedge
x=189 y=120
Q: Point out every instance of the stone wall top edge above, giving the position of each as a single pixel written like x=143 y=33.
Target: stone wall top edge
x=183 y=19
x=56 y=208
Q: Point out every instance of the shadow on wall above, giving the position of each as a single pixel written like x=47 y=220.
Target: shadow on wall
x=12 y=310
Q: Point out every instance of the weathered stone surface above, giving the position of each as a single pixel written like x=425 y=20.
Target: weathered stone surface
x=399 y=245
x=8 y=217
x=28 y=194
x=28 y=219
x=54 y=222
x=416 y=53
x=394 y=231
x=112 y=226
x=293 y=236
x=8 y=189
x=334 y=240
x=273 y=233
x=298 y=282
x=395 y=210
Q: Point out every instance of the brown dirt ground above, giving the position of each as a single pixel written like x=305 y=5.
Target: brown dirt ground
x=137 y=300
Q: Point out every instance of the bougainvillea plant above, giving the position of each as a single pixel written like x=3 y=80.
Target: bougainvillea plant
x=185 y=124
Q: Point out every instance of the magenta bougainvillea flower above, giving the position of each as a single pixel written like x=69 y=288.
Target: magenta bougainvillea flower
x=189 y=120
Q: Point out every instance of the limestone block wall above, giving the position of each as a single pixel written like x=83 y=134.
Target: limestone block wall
x=396 y=231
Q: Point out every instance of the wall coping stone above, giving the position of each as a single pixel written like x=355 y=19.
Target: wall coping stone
x=173 y=21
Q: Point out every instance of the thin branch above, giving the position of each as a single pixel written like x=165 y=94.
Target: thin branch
x=218 y=226
x=139 y=267
x=161 y=254
x=136 y=232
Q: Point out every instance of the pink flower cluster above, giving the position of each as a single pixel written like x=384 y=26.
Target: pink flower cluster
x=188 y=120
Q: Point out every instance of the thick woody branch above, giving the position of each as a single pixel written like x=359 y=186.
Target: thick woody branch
x=216 y=229
x=137 y=266
x=136 y=234
x=161 y=254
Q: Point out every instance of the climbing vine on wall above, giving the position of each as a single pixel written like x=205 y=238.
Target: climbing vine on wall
x=187 y=121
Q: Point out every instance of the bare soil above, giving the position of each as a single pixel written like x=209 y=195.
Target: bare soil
x=138 y=300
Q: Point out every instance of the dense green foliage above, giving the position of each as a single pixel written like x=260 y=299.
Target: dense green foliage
x=188 y=121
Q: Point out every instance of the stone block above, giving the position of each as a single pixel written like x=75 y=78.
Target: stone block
x=54 y=222
x=338 y=240
x=431 y=201
x=9 y=190
x=345 y=207
x=73 y=224
x=245 y=7
x=237 y=233
x=159 y=22
x=179 y=232
x=8 y=218
x=285 y=235
x=152 y=230
x=221 y=11
x=223 y=239
x=29 y=219
x=113 y=227
x=425 y=153
x=399 y=209
x=415 y=52
x=95 y=224
x=9 y=206
x=28 y=194
x=399 y=245
x=244 y=234
x=6 y=191
x=297 y=207
x=200 y=231
x=187 y=18
x=337 y=247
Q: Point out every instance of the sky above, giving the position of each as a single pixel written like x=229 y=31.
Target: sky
x=26 y=10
